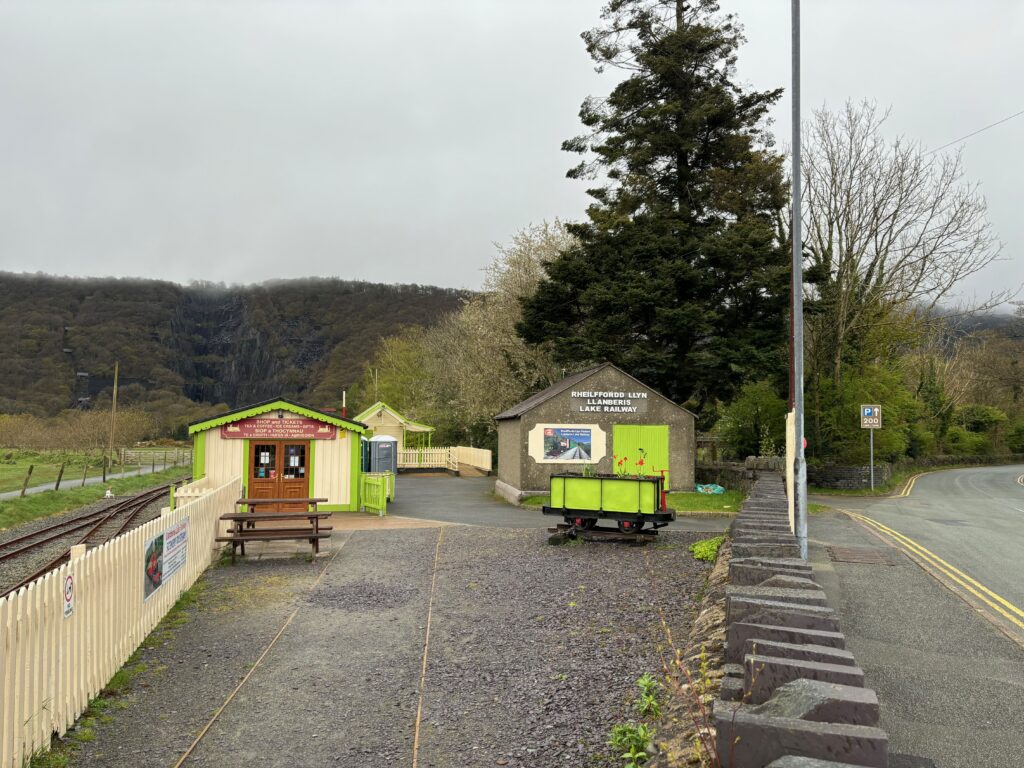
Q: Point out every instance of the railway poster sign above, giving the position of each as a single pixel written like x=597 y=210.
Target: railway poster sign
x=271 y=428
x=152 y=566
x=164 y=556
x=69 y=595
x=175 y=548
x=564 y=443
x=585 y=401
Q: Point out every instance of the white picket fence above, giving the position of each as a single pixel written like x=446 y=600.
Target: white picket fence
x=475 y=457
x=51 y=664
x=444 y=458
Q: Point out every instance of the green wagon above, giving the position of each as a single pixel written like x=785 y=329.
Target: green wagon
x=632 y=502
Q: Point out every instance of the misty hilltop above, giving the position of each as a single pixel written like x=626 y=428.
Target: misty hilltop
x=198 y=344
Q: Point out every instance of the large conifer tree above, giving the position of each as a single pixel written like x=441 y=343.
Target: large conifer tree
x=679 y=276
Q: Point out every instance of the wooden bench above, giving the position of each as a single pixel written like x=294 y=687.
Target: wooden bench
x=245 y=526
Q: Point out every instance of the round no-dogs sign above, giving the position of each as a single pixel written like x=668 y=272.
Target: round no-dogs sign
x=69 y=595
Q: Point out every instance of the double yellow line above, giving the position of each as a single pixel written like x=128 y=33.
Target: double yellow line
x=908 y=487
x=933 y=562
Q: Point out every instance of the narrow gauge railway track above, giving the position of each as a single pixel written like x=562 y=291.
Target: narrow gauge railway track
x=92 y=529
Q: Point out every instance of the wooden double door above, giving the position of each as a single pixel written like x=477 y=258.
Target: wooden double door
x=279 y=469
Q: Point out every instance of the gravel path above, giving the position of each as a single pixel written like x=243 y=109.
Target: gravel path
x=533 y=654
x=16 y=569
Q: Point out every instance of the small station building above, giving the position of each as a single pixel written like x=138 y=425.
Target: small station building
x=601 y=418
x=283 y=450
x=382 y=419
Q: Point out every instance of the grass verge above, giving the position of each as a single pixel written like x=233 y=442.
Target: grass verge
x=17 y=511
x=727 y=503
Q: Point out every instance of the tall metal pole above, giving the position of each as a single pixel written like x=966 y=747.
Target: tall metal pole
x=113 y=421
x=872 y=432
x=800 y=472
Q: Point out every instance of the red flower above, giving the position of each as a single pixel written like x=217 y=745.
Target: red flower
x=640 y=463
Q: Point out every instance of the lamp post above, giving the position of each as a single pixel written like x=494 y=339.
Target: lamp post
x=797 y=362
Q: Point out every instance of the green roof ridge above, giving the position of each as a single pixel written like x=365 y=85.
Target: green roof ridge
x=381 y=404
x=276 y=405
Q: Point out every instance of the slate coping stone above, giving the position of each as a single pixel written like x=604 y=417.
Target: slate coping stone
x=741 y=631
x=764 y=675
x=743 y=574
x=774 y=612
x=790 y=582
x=823 y=702
x=742 y=549
x=731 y=689
x=802 y=651
x=779 y=594
x=747 y=740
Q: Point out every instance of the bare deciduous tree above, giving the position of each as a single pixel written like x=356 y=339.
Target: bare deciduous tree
x=890 y=231
x=472 y=364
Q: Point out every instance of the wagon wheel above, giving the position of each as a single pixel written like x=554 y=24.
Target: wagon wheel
x=583 y=523
x=630 y=526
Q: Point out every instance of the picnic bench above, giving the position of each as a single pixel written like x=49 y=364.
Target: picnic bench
x=249 y=525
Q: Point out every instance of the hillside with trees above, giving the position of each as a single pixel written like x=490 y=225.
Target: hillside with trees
x=182 y=349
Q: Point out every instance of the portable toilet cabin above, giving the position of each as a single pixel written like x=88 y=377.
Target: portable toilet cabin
x=384 y=454
x=364 y=445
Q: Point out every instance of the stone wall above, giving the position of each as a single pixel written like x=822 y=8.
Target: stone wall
x=730 y=475
x=848 y=478
x=853 y=478
x=792 y=694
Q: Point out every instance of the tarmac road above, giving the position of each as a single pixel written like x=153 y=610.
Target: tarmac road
x=939 y=636
x=973 y=519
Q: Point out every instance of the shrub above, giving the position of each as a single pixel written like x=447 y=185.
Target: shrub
x=707 y=549
x=961 y=442
x=1015 y=440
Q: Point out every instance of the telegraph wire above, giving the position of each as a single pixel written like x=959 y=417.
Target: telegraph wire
x=975 y=133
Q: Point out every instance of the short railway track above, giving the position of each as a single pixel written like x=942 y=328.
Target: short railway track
x=25 y=552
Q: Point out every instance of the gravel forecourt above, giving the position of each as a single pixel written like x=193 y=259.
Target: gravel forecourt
x=533 y=653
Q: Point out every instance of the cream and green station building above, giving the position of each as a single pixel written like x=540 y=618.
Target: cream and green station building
x=282 y=450
x=382 y=419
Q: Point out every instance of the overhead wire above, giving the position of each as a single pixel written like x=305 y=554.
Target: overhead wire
x=975 y=133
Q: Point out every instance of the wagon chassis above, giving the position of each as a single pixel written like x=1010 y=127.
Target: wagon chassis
x=655 y=519
x=566 y=531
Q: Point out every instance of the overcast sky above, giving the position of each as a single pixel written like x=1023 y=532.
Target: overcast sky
x=396 y=140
